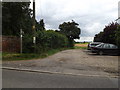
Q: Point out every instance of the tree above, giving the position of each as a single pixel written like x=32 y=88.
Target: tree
x=40 y=25
x=118 y=36
x=99 y=37
x=71 y=30
x=108 y=34
x=16 y=15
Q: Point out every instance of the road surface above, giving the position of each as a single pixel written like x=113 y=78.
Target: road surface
x=23 y=79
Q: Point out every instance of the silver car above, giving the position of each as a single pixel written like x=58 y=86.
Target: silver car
x=93 y=44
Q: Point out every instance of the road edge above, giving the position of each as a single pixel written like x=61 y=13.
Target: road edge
x=49 y=72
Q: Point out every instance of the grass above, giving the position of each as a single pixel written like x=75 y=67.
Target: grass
x=27 y=56
x=18 y=56
x=78 y=47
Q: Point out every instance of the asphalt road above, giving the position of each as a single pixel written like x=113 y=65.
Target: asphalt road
x=23 y=79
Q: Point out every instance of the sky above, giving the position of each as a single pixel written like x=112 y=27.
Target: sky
x=91 y=15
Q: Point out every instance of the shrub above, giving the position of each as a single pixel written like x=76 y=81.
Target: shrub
x=50 y=40
x=56 y=39
x=45 y=40
x=27 y=43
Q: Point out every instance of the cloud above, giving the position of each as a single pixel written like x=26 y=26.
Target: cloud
x=91 y=15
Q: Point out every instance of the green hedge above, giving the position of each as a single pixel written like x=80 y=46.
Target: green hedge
x=27 y=43
x=45 y=40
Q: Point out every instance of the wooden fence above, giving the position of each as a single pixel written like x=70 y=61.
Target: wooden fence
x=10 y=44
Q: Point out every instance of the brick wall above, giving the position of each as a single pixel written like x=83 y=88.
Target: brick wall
x=10 y=44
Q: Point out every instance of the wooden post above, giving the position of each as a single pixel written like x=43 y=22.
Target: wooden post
x=34 y=37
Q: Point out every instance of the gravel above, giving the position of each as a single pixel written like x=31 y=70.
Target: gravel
x=71 y=61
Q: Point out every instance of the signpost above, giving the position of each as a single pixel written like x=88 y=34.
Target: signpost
x=21 y=35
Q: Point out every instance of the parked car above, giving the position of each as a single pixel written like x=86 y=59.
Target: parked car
x=105 y=48
x=93 y=44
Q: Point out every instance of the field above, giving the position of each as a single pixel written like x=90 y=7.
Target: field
x=81 y=45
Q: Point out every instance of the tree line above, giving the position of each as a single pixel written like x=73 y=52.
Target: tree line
x=110 y=34
x=19 y=15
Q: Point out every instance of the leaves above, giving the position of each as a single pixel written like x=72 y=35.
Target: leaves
x=40 y=25
x=108 y=34
x=16 y=15
x=71 y=31
x=118 y=36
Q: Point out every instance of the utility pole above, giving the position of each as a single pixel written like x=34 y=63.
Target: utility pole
x=34 y=38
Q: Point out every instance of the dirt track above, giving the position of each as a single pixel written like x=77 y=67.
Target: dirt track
x=71 y=61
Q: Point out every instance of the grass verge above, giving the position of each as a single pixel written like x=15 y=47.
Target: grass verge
x=27 y=56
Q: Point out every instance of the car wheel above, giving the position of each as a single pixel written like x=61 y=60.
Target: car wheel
x=101 y=53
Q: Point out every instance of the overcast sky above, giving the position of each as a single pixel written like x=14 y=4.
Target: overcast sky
x=91 y=15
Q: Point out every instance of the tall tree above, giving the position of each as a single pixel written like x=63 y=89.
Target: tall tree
x=108 y=34
x=71 y=30
x=99 y=37
x=15 y=16
x=40 y=25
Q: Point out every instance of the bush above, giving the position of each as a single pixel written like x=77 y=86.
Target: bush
x=50 y=40
x=56 y=39
x=45 y=40
x=28 y=43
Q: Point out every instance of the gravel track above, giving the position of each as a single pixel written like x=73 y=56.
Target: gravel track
x=71 y=61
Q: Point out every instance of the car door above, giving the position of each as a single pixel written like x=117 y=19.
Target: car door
x=113 y=49
x=106 y=48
